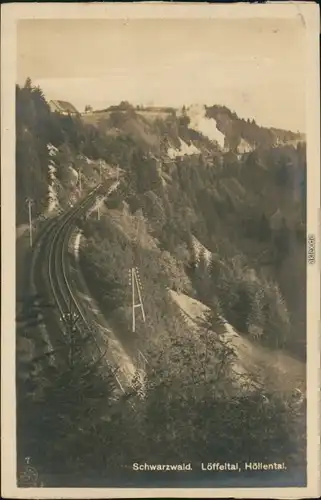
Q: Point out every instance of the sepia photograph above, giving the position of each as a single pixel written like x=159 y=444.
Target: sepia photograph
x=162 y=248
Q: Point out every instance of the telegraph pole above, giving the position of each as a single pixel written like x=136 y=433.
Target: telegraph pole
x=134 y=281
x=29 y=201
x=133 y=301
x=79 y=178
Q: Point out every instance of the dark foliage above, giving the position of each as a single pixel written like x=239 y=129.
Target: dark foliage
x=249 y=213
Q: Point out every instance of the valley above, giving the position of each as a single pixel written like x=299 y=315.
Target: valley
x=174 y=239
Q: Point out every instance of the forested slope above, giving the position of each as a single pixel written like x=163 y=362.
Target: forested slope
x=222 y=227
x=236 y=128
x=247 y=210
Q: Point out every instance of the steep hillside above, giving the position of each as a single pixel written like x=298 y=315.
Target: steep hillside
x=209 y=224
x=238 y=130
x=247 y=210
x=191 y=181
x=216 y=123
x=277 y=370
x=56 y=155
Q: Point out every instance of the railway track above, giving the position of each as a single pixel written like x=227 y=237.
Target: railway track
x=51 y=258
x=48 y=268
x=57 y=273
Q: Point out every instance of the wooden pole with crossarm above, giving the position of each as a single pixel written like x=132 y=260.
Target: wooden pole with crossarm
x=137 y=301
x=30 y=202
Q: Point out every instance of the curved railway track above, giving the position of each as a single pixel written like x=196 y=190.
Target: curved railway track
x=48 y=272
x=57 y=271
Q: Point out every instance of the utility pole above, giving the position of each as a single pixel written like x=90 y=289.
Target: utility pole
x=100 y=165
x=79 y=178
x=30 y=202
x=134 y=281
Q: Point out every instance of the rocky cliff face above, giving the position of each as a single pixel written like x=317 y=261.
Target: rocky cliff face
x=239 y=131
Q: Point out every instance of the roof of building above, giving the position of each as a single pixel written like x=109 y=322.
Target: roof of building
x=63 y=107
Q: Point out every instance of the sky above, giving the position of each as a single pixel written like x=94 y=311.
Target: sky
x=256 y=67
